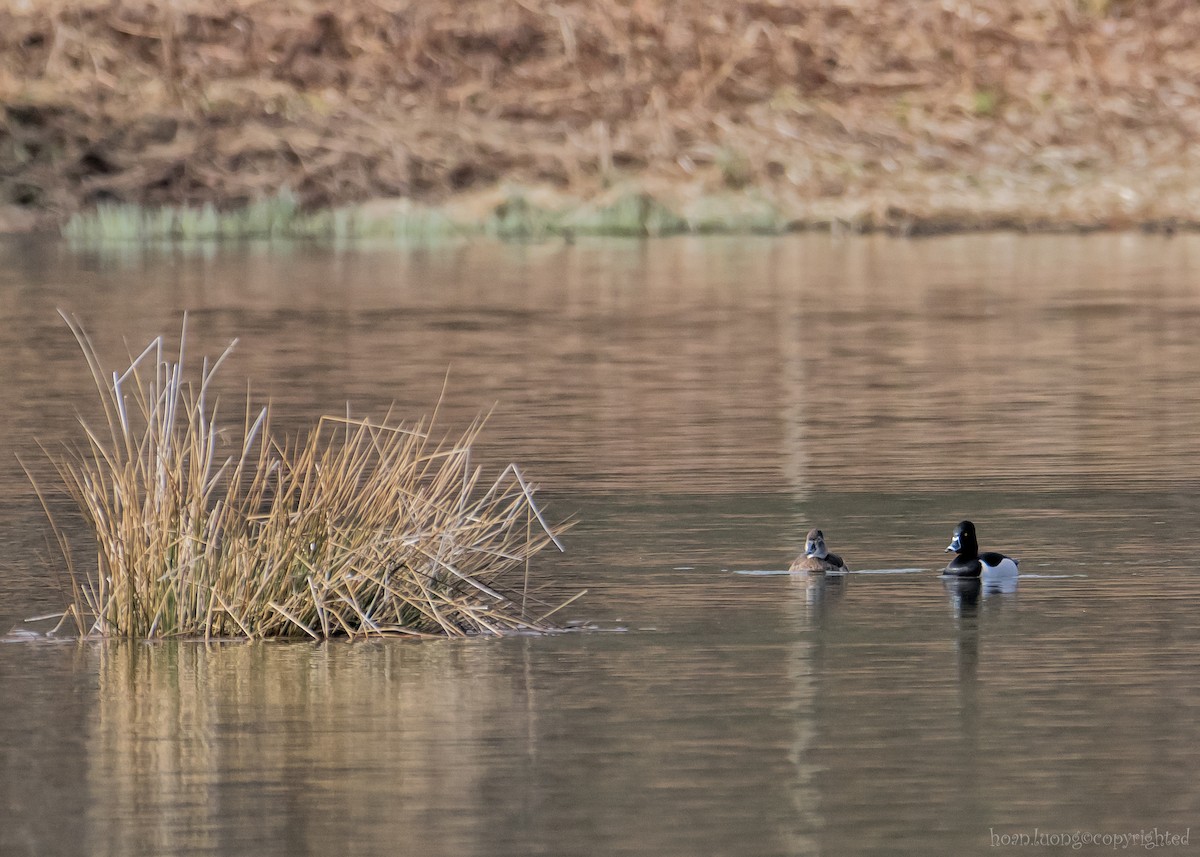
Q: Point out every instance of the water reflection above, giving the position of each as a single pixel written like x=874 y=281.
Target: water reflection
x=965 y=592
x=822 y=591
x=801 y=676
x=699 y=403
x=292 y=749
x=807 y=364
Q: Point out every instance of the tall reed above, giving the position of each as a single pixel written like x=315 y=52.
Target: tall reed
x=360 y=528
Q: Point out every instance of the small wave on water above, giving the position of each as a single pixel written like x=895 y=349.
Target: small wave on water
x=783 y=572
x=889 y=571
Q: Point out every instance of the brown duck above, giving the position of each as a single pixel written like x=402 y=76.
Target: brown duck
x=816 y=556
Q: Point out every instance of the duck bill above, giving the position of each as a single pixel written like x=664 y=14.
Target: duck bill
x=955 y=546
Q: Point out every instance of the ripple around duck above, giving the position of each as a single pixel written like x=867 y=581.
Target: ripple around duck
x=1051 y=576
x=770 y=572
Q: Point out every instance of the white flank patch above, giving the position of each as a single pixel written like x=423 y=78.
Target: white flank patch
x=1006 y=568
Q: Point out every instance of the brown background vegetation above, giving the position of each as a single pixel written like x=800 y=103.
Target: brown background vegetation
x=882 y=113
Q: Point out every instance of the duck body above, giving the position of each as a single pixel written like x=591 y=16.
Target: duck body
x=816 y=557
x=970 y=562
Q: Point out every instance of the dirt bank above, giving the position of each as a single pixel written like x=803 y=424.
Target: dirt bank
x=900 y=114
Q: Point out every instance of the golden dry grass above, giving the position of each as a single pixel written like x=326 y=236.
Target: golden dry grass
x=1035 y=113
x=361 y=528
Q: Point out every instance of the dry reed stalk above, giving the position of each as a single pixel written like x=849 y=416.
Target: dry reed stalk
x=360 y=529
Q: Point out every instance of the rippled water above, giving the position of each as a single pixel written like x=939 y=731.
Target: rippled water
x=699 y=404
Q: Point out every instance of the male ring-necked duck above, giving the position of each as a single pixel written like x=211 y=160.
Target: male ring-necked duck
x=816 y=556
x=971 y=563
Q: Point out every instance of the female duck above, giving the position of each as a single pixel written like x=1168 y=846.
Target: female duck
x=971 y=563
x=817 y=557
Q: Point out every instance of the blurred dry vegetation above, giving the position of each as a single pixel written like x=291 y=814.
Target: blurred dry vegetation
x=899 y=114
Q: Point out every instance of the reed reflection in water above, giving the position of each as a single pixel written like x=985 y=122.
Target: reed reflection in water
x=300 y=749
x=291 y=749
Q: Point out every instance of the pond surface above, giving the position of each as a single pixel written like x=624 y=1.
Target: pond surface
x=699 y=404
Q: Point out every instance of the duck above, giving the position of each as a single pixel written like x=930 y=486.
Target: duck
x=816 y=556
x=971 y=563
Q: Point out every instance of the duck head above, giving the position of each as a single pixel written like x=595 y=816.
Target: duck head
x=964 y=539
x=814 y=545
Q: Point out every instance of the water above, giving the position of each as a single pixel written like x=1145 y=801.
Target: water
x=699 y=404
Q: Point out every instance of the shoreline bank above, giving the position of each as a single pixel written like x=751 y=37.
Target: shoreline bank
x=573 y=117
x=511 y=212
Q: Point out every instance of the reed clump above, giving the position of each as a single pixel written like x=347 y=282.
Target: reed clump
x=361 y=528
